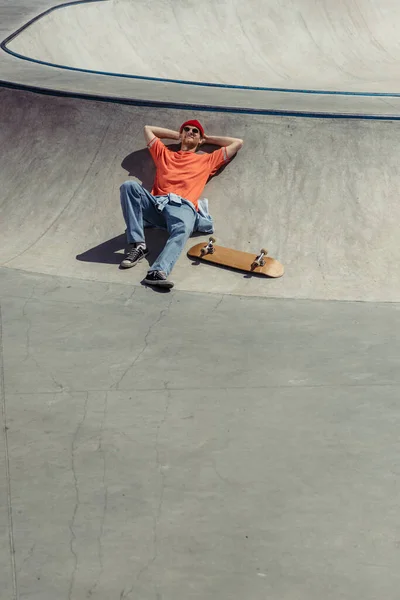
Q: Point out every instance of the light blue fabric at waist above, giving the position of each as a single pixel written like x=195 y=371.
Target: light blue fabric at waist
x=204 y=221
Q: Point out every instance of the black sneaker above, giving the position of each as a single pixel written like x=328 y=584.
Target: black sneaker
x=133 y=256
x=159 y=279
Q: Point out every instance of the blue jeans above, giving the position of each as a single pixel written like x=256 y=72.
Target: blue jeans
x=141 y=209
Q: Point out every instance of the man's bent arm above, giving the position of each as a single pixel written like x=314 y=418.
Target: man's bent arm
x=151 y=132
x=231 y=145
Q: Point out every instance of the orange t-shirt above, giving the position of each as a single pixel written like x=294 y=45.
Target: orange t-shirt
x=183 y=173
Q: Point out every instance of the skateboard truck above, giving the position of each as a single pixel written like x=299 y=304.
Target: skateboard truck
x=259 y=260
x=209 y=249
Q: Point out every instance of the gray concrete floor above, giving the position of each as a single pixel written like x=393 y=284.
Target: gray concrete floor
x=176 y=446
x=202 y=446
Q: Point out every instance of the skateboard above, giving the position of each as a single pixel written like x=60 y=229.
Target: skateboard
x=235 y=259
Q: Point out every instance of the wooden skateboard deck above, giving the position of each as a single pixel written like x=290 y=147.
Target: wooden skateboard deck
x=235 y=259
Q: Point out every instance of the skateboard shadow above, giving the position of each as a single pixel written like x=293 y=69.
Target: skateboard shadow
x=197 y=261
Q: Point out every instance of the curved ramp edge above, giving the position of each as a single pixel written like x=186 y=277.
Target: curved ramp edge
x=275 y=88
x=320 y=194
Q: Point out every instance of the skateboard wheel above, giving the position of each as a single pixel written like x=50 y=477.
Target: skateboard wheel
x=204 y=251
x=212 y=239
x=264 y=251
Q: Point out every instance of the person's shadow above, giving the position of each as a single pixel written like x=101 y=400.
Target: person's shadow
x=138 y=164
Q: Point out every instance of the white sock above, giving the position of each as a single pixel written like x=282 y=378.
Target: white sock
x=141 y=245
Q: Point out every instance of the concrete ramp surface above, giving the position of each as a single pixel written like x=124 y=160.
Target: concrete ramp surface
x=238 y=437
x=321 y=195
x=330 y=44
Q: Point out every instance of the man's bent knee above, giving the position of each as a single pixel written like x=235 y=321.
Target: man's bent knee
x=181 y=229
x=130 y=185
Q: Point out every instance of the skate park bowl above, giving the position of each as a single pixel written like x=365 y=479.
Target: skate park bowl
x=238 y=436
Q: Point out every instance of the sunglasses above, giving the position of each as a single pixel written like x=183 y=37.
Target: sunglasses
x=194 y=129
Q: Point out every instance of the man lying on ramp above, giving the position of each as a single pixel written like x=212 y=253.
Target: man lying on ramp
x=174 y=200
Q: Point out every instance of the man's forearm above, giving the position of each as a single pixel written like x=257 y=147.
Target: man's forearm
x=218 y=140
x=162 y=132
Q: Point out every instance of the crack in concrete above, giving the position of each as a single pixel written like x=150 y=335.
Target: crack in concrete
x=160 y=469
x=51 y=290
x=321 y=269
x=126 y=594
x=25 y=316
x=221 y=477
x=128 y=300
x=11 y=540
x=100 y=449
x=219 y=302
x=28 y=332
x=27 y=557
x=158 y=512
x=208 y=389
x=105 y=293
x=77 y=498
x=162 y=314
x=28 y=350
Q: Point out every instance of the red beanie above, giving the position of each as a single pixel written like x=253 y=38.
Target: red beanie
x=194 y=123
